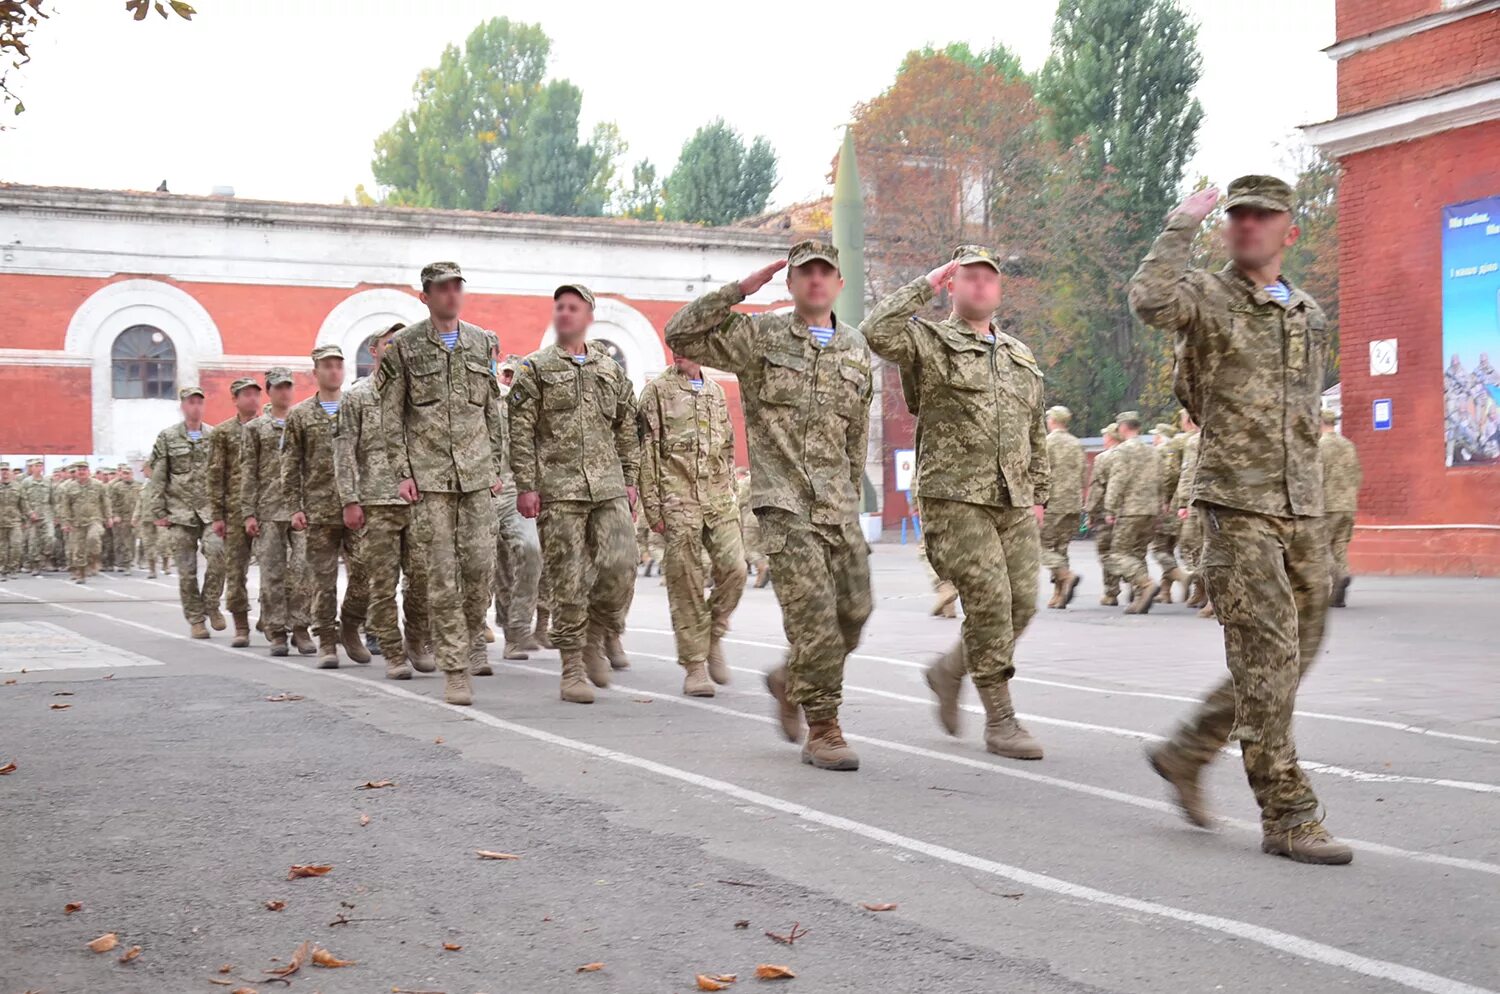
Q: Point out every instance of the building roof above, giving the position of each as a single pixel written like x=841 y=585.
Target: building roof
x=811 y=218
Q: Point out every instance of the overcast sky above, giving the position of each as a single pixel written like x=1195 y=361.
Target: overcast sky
x=282 y=99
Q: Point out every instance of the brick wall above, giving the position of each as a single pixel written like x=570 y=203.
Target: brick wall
x=1435 y=61
x=1360 y=17
x=58 y=416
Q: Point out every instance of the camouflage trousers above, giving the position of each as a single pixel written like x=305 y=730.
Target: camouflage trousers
x=755 y=557
x=236 y=565
x=124 y=541
x=285 y=589
x=12 y=548
x=1164 y=532
x=1268 y=580
x=1340 y=526
x=696 y=619
x=1127 y=549
x=1057 y=531
x=1190 y=542
x=325 y=543
x=991 y=555
x=651 y=546
x=85 y=546
x=518 y=568
x=393 y=548
x=39 y=545
x=823 y=586
x=197 y=599
x=461 y=567
x=589 y=560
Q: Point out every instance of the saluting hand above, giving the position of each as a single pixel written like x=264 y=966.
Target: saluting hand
x=1199 y=205
x=761 y=277
x=942 y=274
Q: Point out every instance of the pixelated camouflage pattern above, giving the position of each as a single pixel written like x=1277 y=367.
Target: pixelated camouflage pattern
x=179 y=472
x=393 y=550
x=285 y=582
x=363 y=466
x=1342 y=474
x=307 y=481
x=698 y=619
x=1134 y=480
x=86 y=502
x=1065 y=467
x=225 y=461
x=518 y=567
x=687 y=449
x=326 y=543
x=185 y=543
x=261 y=452
x=588 y=556
x=124 y=499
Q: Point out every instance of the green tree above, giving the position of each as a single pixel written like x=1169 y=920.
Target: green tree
x=1313 y=263
x=551 y=171
x=642 y=198
x=1003 y=61
x=717 y=179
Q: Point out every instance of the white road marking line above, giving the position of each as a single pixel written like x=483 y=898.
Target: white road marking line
x=1307 y=949
x=1395 y=726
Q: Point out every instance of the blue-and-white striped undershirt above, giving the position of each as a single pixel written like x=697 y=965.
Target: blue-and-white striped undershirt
x=196 y=436
x=330 y=407
x=1279 y=291
x=820 y=335
x=696 y=384
x=450 y=338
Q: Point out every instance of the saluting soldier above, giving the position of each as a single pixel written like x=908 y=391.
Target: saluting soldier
x=179 y=472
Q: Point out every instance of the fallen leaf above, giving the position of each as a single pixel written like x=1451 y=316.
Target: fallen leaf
x=707 y=983
x=221 y=983
x=60 y=707
x=72 y=906
x=643 y=700
x=770 y=971
x=375 y=784
x=270 y=906
x=241 y=990
x=486 y=854
x=7 y=769
x=590 y=968
x=452 y=947
x=438 y=740
x=298 y=958
x=277 y=698
x=310 y=870
x=742 y=923
x=9 y=682
x=107 y=676
x=364 y=820
x=226 y=968
x=1015 y=897
x=878 y=907
x=62 y=693
x=105 y=942
x=322 y=957
x=130 y=954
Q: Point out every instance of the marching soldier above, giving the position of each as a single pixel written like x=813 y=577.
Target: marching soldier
x=575 y=452
x=805 y=386
x=1190 y=542
x=1341 y=479
x=756 y=560
x=179 y=471
x=982 y=460
x=687 y=496
x=311 y=495
x=154 y=544
x=84 y=512
x=36 y=501
x=224 y=463
x=12 y=523
x=1064 y=506
x=1131 y=505
x=440 y=404
x=1099 y=523
x=518 y=547
x=124 y=502
x=1250 y=351
x=1164 y=533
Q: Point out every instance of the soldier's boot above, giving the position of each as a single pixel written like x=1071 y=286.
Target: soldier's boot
x=479 y=659
x=1340 y=592
x=418 y=655
x=489 y=635
x=718 y=666
x=529 y=643
x=1308 y=842
x=947 y=595
x=1070 y=582
x=1182 y=774
x=1208 y=611
x=614 y=651
x=763 y=575
x=241 y=638
x=1144 y=595
x=1197 y=591
x=595 y=662
x=354 y=645
x=1055 y=601
x=1109 y=600
x=372 y=644
x=1174 y=575
x=456 y=687
x=575 y=686
x=543 y=616
x=328 y=652
x=396 y=667
x=695 y=682
x=216 y=618
x=1003 y=734
x=77 y=575
x=151 y=575
x=826 y=749
x=198 y=629
x=278 y=644
x=515 y=650
x=650 y=563
x=945 y=678
x=302 y=639
x=787 y=713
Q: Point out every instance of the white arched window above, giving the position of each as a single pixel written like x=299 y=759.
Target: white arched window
x=143 y=364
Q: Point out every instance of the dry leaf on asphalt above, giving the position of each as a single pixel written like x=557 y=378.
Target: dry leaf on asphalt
x=283 y=696
x=107 y=676
x=742 y=923
x=226 y=968
x=60 y=707
x=242 y=990
x=105 y=942
x=72 y=906
x=221 y=983
x=878 y=907
x=452 y=947
x=590 y=968
x=270 y=906
x=9 y=682
x=62 y=693
x=487 y=854
x=309 y=870
x=770 y=971
x=715 y=981
x=298 y=958
x=322 y=957
x=438 y=740
x=364 y=820
x=7 y=768
x=375 y=784
x=130 y=954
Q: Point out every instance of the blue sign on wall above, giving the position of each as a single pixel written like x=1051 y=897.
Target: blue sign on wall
x=1471 y=332
x=1383 y=415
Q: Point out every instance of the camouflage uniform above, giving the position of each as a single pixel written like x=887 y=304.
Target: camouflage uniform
x=85 y=510
x=1165 y=532
x=441 y=411
x=37 y=501
x=280 y=552
x=982 y=461
x=153 y=545
x=518 y=552
x=650 y=547
x=1249 y=370
x=1341 y=479
x=179 y=476
x=687 y=484
x=394 y=542
x=1190 y=541
x=573 y=440
x=12 y=526
x=755 y=557
x=124 y=500
x=1064 y=500
x=1134 y=501
x=226 y=456
x=1099 y=524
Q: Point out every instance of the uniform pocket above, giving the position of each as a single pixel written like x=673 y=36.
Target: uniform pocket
x=772 y=527
x=482 y=387
x=426 y=379
x=968 y=370
x=783 y=378
x=559 y=390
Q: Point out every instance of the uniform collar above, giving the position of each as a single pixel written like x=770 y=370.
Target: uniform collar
x=840 y=339
x=1258 y=294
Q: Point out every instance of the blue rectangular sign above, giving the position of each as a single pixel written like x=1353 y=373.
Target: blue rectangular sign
x=1383 y=414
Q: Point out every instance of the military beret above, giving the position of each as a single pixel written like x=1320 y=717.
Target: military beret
x=243 y=383
x=187 y=392
x=329 y=351
x=807 y=250
x=1128 y=417
x=1329 y=416
x=1265 y=192
x=968 y=255
x=278 y=374
x=578 y=288
x=1060 y=414
x=441 y=272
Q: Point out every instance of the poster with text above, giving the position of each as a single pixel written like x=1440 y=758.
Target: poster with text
x=1471 y=332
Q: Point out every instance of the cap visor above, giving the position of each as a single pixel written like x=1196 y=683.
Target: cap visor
x=972 y=260
x=1260 y=203
x=817 y=258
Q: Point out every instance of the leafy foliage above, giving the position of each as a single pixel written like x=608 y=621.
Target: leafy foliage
x=642 y=199
x=718 y=179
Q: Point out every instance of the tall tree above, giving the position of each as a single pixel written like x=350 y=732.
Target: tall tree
x=718 y=179
x=996 y=57
x=642 y=198
x=550 y=170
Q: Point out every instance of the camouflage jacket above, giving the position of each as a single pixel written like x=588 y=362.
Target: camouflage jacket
x=1341 y=473
x=12 y=513
x=363 y=465
x=980 y=437
x=179 y=470
x=307 y=483
x=1170 y=454
x=224 y=466
x=1134 y=480
x=1099 y=482
x=807 y=408
x=573 y=433
x=261 y=451
x=1065 y=467
x=441 y=410
x=1250 y=372
x=143 y=506
x=687 y=450
x=1181 y=495
x=36 y=498
x=124 y=499
x=85 y=504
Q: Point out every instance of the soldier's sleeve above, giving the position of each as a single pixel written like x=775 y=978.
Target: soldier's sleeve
x=521 y=406
x=60 y=508
x=1114 y=496
x=728 y=431
x=888 y=328
x=249 y=476
x=345 y=449
x=1041 y=466
x=494 y=420
x=650 y=477
x=1164 y=293
x=390 y=384
x=709 y=331
x=856 y=441
x=161 y=476
x=291 y=465
x=627 y=434
x=218 y=473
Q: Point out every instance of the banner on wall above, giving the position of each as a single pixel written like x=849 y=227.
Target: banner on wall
x=1471 y=332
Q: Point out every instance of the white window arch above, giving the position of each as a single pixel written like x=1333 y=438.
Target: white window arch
x=632 y=334
x=355 y=318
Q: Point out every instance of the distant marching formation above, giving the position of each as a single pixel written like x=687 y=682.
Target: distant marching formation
x=466 y=477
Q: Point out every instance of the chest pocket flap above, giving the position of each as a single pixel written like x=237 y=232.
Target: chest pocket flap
x=559 y=388
x=783 y=378
x=425 y=379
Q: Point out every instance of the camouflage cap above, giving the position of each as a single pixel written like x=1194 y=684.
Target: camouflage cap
x=1329 y=416
x=36 y=462
x=578 y=288
x=329 y=351
x=1265 y=192
x=277 y=375
x=243 y=383
x=187 y=392
x=124 y=467
x=4 y=465
x=441 y=272
x=1111 y=430
x=1060 y=414
x=1128 y=417
x=1162 y=428
x=968 y=255
x=807 y=250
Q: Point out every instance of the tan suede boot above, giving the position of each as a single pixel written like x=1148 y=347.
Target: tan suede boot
x=947 y=596
x=718 y=666
x=529 y=643
x=1182 y=774
x=328 y=652
x=1069 y=586
x=543 y=616
x=826 y=749
x=695 y=681
x=1197 y=591
x=575 y=685
x=418 y=654
x=1143 y=596
x=216 y=618
x=594 y=659
x=479 y=659
x=489 y=635
x=1003 y=734
x=763 y=575
x=278 y=644
x=614 y=651
x=302 y=639
x=353 y=643
x=946 y=680
x=241 y=630
x=514 y=650
x=199 y=629
x=1307 y=843
x=1055 y=601
x=456 y=687
x=1109 y=600
x=396 y=666
x=1208 y=611
x=789 y=714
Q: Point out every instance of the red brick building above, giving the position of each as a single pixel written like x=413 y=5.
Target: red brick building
x=1417 y=131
